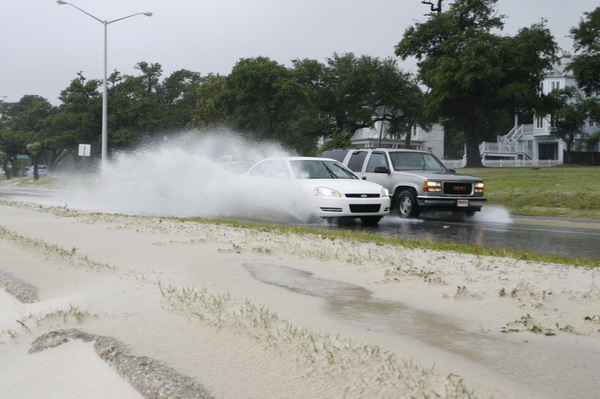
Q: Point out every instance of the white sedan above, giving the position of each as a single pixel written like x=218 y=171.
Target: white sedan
x=330 y=189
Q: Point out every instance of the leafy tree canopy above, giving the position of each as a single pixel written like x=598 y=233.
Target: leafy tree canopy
x=474 y=73
x=586 y=63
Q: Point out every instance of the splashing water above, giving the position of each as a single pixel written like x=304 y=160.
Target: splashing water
x=193 y=176
x=493 y=214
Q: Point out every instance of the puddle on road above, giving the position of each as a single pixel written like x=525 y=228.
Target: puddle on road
x=566 y=372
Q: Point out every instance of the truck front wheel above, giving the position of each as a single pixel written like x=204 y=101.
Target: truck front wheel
x=406 y=204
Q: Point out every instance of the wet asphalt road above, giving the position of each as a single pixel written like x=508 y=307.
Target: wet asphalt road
x=492 y=227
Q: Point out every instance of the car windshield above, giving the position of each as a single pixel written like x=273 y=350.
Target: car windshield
x=416 y=161
x=317 y=169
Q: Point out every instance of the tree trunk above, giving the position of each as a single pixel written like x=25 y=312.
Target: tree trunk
x=408 y=137
x=6 y=171
x=472 y=146
x=36 y=174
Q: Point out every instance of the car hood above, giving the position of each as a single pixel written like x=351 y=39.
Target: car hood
x=446 y=176
x=344 y=186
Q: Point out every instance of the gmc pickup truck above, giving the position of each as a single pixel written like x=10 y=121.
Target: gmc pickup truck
x=417 y=180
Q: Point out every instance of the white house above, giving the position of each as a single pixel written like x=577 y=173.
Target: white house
x=421 y=139
x=534 y=142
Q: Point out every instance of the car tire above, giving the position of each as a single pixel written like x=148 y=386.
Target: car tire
x=370 y=220
x=406 y=204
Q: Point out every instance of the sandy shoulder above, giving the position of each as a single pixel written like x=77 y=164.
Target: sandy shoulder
x=191 y=296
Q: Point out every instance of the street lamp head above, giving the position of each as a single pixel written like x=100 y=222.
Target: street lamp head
x=148 y=14
x=61 y=2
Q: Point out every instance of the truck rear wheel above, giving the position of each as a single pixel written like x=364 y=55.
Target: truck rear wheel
x=406 y=204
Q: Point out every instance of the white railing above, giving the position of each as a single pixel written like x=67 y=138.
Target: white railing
x=505 y=149
x=515 y=134
x=505 y=163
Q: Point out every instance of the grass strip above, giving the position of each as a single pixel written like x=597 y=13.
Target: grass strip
x=413 y=244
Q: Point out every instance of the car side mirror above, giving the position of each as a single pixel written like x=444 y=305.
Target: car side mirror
x=382 y=169
x=451 y=171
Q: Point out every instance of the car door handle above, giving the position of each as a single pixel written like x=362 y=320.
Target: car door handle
x=364 y=177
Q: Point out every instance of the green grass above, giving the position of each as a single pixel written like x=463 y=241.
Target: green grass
x=562 y=191
x=42 y=182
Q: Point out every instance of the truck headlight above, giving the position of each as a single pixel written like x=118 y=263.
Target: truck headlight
x=384 y=192
x=435 y=186
x=326 y=192
x=479 y=187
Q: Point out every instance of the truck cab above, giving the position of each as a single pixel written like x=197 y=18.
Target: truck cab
x=417 y=180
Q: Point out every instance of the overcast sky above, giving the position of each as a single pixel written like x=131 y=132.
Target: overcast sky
x=43 y=45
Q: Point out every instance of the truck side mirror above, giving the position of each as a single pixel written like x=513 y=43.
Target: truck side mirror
x=382 y=169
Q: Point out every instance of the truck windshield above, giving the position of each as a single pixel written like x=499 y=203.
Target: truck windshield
x=316 y=169
x=416 y=161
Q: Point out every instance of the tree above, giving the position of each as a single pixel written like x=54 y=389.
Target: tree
x=78 y=120
x=264 y=99
x=401 y=100
x=207 y=113
x=180 y=96
x=4 y=164
x=348 y=94
x=586 y=63
x=34 y=150
x=473 y=74
x=571 y=111
x=24 y=123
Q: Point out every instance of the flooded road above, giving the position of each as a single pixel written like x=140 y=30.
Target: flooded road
x=562 y=371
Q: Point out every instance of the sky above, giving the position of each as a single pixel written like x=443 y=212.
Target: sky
x=43 y=45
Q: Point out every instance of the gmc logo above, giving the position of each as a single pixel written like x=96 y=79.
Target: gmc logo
x=459 y=188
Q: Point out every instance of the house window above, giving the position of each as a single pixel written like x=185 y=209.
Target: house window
x=548 y=151
x=555 y=85
x=539 y=122
x=592 y=123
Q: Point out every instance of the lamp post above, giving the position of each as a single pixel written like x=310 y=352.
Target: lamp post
x=104 y=93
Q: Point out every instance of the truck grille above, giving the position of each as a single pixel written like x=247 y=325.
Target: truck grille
x=365 y=208
x=458 y=188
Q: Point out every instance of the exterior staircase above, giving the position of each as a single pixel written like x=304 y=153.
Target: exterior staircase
x=509 y=146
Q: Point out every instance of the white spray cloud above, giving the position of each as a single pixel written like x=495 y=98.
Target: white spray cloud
x=193 y=175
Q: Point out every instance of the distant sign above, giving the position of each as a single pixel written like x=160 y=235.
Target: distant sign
x=85 y=150
x=22 y=156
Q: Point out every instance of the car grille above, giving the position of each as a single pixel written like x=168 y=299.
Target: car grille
x=458 y=188
x=370 y=208
x=363 y=195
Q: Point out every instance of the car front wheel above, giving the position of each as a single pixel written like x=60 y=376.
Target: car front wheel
x=407 y=206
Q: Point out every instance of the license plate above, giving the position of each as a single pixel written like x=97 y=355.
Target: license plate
x=462 y=203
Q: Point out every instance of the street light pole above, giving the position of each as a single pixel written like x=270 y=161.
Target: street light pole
x=104 y=85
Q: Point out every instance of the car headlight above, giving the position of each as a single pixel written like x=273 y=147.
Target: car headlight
x=384 y=192
x=432 y=186
x=326 y=192
x=479 y=187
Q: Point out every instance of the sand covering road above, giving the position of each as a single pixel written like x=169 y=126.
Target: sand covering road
x=98 y=306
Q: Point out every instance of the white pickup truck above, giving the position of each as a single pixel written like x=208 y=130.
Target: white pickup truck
x=417 y=180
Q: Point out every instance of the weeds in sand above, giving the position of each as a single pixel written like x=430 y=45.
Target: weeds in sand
x=528 y=324
x=502 y=292
x=595 y=317
x=375 y=371
x=53 y=250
